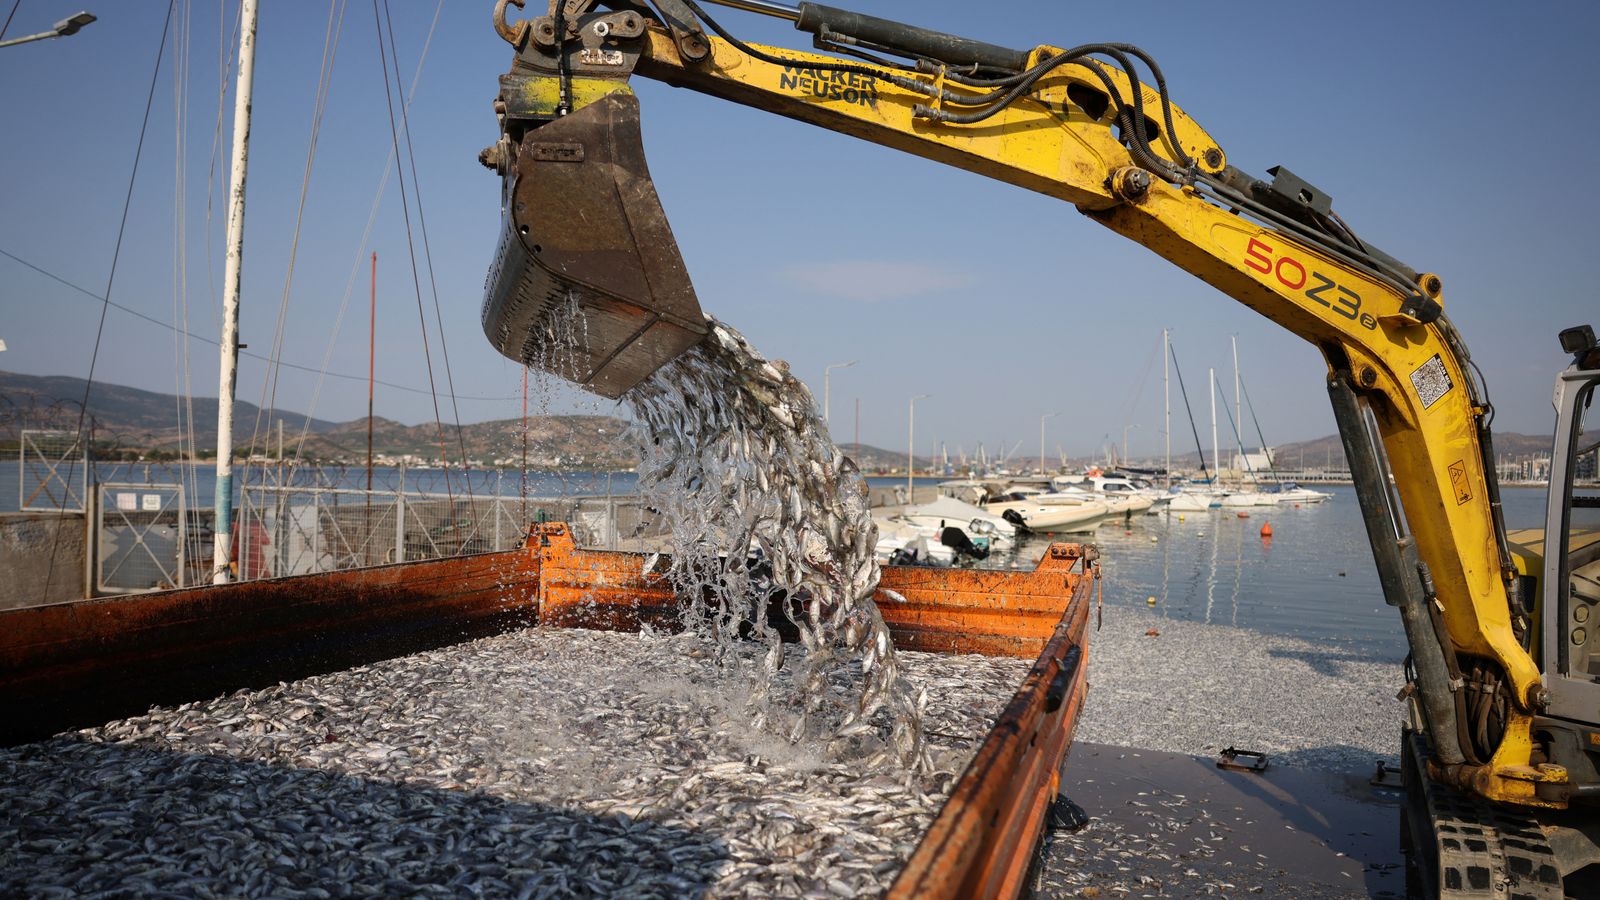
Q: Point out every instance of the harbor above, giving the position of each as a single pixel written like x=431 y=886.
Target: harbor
x=600 y=449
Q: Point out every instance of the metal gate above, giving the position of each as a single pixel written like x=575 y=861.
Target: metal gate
x=54 y=471
x=143 y=541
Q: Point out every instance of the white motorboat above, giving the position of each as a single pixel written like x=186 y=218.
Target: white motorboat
x=1290 y=492
x=1051 y=518
x=1194 y=499
x=1248 y=498
x=981 y=526
x=895 y=536
x=1120 y=495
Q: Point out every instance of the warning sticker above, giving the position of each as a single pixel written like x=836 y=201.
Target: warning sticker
x=1458 y=481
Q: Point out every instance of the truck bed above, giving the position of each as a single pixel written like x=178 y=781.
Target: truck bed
x=533 y=755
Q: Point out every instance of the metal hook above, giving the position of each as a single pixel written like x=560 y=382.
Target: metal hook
x=515 y=35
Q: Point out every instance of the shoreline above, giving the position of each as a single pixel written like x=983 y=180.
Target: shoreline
x=1196 y=689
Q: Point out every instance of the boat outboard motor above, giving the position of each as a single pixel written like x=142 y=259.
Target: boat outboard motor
x=903 y=557
x=1014 y=518
x=957 y=540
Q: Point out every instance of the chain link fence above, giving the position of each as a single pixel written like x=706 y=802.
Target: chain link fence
x=301 y=530
x=53 y=475
x=144 y=540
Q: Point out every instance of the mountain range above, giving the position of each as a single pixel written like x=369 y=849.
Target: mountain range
x=146 y=422
x=143 y=421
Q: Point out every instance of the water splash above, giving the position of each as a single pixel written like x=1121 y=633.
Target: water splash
x=767 y=513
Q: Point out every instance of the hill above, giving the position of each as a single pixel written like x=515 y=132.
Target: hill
x=1328 y=451
x=145 y=418
x=139 y=421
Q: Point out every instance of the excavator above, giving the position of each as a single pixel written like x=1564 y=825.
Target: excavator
x=1501 y=746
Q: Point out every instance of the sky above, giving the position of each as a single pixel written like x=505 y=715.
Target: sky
x=1455 y=136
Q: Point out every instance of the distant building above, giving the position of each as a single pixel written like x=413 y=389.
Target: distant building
x=1588 y=465
x=1259 y=461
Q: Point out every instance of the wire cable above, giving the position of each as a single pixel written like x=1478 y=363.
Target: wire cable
x=268 y=403
x=111 y=277
x=1190 y=410
x=196 y=337
x=1272 y=467
x=416 y=281
x=427 y=253
x=9 y=16
x=358 y=265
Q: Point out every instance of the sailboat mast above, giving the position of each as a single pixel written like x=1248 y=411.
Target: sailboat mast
x=222 y=548
x=1237 y=437
x=1166 y=396
x=372 y=355
x=1216 y=464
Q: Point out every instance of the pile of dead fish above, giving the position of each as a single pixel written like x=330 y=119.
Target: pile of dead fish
x=539 y=763
x=765 y=509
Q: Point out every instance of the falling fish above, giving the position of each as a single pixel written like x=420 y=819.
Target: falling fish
x=721 y=422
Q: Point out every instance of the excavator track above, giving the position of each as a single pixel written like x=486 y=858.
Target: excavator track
x=1459 y=848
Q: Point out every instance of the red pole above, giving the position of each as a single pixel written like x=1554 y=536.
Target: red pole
x=524 y=490
x=372 y=352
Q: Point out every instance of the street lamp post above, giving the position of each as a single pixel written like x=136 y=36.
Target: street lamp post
x=911 y=448
x=1125 y=429
x=63 y=28
x=826 y=370
x=1041 y=437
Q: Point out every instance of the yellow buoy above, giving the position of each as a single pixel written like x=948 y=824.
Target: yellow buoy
x=1150 y=601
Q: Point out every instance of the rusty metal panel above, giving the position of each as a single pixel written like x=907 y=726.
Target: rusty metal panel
x=975 y=611
x=946 y=610
x=597 y=589
x=982 y=842
x=78 y=664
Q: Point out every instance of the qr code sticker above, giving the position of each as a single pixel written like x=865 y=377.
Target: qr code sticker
x=1431 y=381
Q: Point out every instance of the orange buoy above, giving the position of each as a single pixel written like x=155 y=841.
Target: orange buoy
x=1243 y=515
x=1266 y=530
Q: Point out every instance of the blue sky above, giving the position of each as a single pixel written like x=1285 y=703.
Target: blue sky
x=1455 y=136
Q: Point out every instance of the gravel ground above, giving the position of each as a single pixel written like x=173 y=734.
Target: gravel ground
x=1198 y=689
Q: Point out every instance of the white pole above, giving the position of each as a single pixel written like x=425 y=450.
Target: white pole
x=1215 y=463
x=222 y=550
x=1166 y=395
x=1041 y=438
x=1238 y=413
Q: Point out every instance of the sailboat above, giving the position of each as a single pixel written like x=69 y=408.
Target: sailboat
x=1193 y=496
x=1274 y=494
x=1279 y=491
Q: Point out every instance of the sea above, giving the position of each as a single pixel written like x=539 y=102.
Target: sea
x=1313 y=578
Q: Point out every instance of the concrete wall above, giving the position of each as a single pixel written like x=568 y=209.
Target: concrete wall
x=926 y=492
x=26 y=540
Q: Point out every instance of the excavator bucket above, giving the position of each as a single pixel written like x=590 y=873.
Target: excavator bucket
x=588 y=282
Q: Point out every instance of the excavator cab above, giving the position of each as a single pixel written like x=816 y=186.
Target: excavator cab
x=1567 y=568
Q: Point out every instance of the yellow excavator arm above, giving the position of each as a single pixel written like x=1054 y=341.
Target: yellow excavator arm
x=1078 y=124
